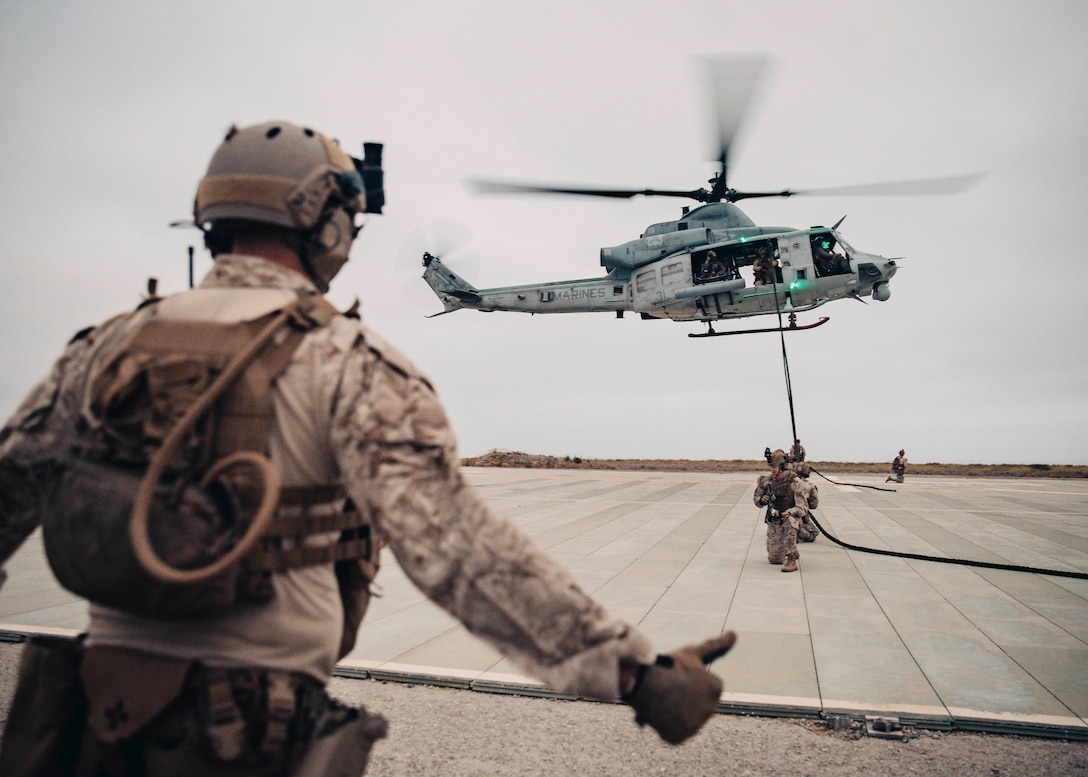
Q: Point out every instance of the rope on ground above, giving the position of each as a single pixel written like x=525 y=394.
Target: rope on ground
x=946 y=560
x=856 y=485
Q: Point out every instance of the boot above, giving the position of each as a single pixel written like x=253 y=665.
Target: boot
x=791 y=562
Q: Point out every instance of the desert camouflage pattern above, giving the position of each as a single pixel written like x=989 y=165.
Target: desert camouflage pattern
x=808 y=497
x=782 y=535
x=763 y=271
x=352 y=408
x=29 y=433
x=899 y=468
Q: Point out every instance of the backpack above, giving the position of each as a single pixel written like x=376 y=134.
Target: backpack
x=161 y=504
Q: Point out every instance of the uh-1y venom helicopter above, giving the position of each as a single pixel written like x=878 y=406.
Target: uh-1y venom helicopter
x=711 y=264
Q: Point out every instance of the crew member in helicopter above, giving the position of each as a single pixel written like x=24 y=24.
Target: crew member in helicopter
x=712 y=268
x=782 y=494
x=763 y=267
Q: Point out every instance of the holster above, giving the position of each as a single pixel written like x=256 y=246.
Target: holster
x=46 y=720
x=126 y=689
x=342 y=742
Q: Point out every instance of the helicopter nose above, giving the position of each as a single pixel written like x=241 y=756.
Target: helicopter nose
x=872 y=268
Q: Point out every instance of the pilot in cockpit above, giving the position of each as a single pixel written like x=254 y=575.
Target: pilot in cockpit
x=826 y=260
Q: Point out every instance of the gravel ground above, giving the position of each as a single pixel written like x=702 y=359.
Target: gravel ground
x=439 y=731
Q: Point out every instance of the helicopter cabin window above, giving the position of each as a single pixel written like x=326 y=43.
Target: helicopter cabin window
x=827 y=257
x=672 y=274
x=713 y=265
x=646 y=281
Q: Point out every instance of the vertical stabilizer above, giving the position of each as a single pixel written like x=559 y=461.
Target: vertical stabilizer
x=453 y=291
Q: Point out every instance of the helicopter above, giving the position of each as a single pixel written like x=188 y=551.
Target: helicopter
x=713 y=263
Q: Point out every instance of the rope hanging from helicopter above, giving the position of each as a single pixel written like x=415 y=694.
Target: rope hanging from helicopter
x=880 y=551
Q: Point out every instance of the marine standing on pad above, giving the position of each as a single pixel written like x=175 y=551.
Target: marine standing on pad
x=238 y=689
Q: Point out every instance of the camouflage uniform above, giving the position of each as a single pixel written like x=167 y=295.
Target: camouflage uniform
x=763 y=269
x=350 y=408
x=712 y=268
x=899 y=468
x=789 y=495
x=808 y=498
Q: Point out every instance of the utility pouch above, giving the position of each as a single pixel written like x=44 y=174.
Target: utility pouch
x=127 y=689
x=189 y=527
x=354 y=577
x=341 y=744
x=48 y=713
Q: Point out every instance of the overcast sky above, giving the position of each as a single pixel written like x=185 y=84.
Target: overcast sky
x=109 y=112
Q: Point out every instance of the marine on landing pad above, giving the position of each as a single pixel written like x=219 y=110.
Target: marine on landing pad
x=188 y=672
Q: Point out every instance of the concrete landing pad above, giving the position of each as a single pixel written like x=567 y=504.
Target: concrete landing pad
x=682 y=556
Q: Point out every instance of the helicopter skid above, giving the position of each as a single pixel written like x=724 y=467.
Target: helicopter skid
x=791 y=328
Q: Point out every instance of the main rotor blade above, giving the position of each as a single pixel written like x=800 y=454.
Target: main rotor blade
x=945 y=185
x=733 y=81
x=477 y=186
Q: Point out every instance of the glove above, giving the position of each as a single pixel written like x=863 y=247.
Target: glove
x=677 y=693
x=764 y=499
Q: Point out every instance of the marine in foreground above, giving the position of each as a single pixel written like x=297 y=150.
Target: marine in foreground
x=217 y=471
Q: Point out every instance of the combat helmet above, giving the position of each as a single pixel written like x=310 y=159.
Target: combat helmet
x=778 y=458
x=292 y=177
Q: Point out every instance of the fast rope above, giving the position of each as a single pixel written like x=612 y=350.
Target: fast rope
x=946 y=560
x=880 y=551
x=785 y=358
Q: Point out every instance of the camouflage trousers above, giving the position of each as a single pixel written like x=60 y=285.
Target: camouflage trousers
x=807 y=531
x=782 y=535
x=169 y=718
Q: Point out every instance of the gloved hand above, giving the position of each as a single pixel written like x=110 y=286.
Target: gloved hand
x=678 y=693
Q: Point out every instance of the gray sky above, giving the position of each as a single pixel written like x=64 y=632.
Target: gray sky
x=109 y=112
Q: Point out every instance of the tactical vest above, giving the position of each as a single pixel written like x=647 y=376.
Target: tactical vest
x=176 y=425
x=783 y=490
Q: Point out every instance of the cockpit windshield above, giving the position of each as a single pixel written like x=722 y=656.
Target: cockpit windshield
x=849 y=249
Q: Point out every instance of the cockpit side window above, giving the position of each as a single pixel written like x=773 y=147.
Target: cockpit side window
x=827 y=256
